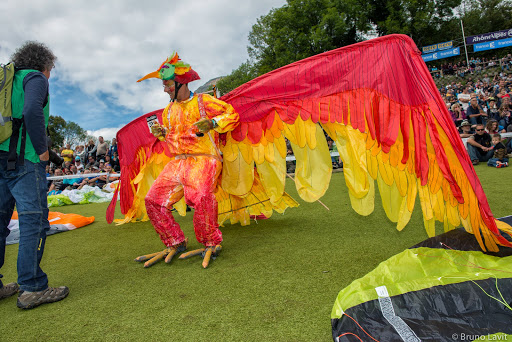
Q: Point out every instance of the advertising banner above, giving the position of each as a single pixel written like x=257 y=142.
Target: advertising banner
x=487 y=37
x=441 y=55
x=437 y=47
x=496 y=44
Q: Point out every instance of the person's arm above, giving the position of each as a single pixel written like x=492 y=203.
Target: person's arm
x=36 y=92
x=472 y=142
x=66 y=154
x=225 y=116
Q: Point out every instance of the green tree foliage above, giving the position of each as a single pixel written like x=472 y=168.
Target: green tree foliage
x=304 y=28
x=62 y=132
x=74 y=134
x=244 y=73
x=424 y=21
x=481 y=16
x=56 y=126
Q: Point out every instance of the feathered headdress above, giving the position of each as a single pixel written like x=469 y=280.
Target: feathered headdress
x=174 y=69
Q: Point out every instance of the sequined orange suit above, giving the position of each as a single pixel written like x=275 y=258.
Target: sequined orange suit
x=193 y=170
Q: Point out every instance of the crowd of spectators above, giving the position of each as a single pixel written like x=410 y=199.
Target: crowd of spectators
x=94 y=158
x=480 y=105
x=476 y=65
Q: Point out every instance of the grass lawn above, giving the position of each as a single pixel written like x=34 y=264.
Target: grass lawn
x=274 y=281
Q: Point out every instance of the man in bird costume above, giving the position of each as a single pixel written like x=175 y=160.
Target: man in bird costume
x=375 y=99
x=190 y=127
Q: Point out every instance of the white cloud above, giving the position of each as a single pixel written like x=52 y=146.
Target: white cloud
x=106 y=133
x=103 y=47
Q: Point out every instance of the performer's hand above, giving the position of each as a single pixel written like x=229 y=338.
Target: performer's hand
x=204 y=125
x=157 y=130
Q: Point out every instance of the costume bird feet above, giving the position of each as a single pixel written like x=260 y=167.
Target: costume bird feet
x=168 y=254
x=208 y=253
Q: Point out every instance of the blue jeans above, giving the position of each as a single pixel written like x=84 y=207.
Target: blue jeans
x=26 y=187
x=474 y=154
x=480 y=120
x=493 y=161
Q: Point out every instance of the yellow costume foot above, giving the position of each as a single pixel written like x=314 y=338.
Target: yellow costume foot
x=208 y=253
x=167 y=253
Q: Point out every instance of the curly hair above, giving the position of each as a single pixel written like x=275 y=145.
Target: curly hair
x=34 y=55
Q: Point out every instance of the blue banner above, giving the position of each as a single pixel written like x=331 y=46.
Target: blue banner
x=441 y=55
x=487 y=37
x=437 y=47
x=496 y=44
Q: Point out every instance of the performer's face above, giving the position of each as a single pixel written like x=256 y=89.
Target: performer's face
x=169 y=88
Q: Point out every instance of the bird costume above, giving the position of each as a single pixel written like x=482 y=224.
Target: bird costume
x=377 y=101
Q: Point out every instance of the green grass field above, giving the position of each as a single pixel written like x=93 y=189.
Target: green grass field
x=274 y=281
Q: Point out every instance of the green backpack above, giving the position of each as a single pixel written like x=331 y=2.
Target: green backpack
x=6 y=80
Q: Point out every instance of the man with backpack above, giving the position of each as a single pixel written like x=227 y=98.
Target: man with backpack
x=23 y=159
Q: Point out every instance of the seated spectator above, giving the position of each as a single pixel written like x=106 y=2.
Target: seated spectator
x=92 y=162
x=57 y=184
x=85 y=180
x=505 y=116
x=499 y=158
x=458 y=114
x=479 y=145
x=465 y=129
x=464 y=98
x=108 y=160
x=66 y=165
x=475 y=113
x=78 y=164
x=97 y=180
x=115 y=162
x=108 y=170
x=493 y=110
x=71 y=183
x=492 y=127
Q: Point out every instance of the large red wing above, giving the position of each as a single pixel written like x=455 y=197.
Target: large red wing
x=136 y=145
x=377 y=100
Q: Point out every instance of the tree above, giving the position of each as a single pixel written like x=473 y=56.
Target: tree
x=244 y=73
x=304 y=28
x=423 y=21
x=74 y=134
x=56 y=127
x=482 y=16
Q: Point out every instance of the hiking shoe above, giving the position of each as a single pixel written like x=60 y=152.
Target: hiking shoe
x=29 y=300
x=475 y=162
x=8 y=290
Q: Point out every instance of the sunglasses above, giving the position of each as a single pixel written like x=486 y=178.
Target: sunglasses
x=478 y=130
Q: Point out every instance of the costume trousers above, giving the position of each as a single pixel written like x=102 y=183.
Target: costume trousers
x=196 y=179
x=26 y=188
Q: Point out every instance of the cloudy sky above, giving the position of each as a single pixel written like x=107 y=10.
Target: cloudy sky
x=103 y=47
